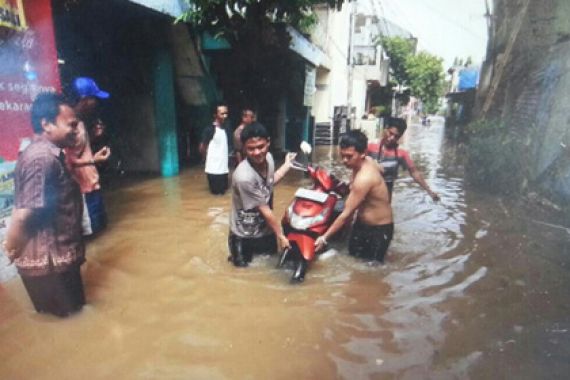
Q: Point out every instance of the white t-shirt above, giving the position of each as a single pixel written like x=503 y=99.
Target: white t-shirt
x=217 y=157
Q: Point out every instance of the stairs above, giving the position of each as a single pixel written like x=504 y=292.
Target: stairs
x=324 y=134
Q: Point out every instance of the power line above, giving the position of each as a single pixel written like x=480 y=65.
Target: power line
x=452 y=21
x=404 y=11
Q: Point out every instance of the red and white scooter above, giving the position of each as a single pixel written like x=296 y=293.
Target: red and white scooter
x=309 y=215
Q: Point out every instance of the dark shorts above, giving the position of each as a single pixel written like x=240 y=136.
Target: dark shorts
x=60 y=294
x=218 y=183
x=96 y=211
x=247 y=247
x=370 y=242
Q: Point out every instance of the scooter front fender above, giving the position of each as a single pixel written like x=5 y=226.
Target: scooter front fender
x=305 y=243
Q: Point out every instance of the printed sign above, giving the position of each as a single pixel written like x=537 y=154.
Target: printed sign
x=12 y=14
x=29 y=66
x=6 y=204
x=309 y=90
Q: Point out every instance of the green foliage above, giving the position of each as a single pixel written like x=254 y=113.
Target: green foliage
x=399 y=50
x=228 y=18
x=461 y=62
x=426 y=78
x=422 y=72
x=256 y=31
x=380 y=110
x=485 y=128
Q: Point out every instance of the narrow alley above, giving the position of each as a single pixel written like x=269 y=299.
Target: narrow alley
x=473 y=288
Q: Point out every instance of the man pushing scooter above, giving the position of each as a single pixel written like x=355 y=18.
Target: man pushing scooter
x=254 y=229
x=369 y=198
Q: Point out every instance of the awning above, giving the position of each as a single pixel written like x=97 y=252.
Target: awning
x=12 y=15
x=306 y=49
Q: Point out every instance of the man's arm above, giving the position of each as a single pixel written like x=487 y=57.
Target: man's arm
x=274 y=224
x=102 y=155
x=358 y=192
x=205 y=138
x=419 y=178
x=16 y=235
x=203 y=149
x=283 y=169
x=238 y=156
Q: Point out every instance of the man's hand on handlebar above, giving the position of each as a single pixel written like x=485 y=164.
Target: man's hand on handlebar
x=289 y=157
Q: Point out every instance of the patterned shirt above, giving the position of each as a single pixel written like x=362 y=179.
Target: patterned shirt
x=43 y=184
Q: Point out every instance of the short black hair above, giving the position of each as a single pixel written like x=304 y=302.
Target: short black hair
x=46 y=106
x=218 y=105
x=246 y=110
x=254 y=130
x=398 y=123
x=354 y=138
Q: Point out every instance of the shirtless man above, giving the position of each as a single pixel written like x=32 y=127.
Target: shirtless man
x=369 y=198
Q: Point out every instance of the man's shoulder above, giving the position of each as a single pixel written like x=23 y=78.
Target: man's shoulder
x=38 y=150
x=243 y=172
x=404 y=156
x=403 y=152
x=369 y=172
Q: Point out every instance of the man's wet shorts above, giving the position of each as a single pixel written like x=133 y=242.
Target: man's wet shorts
x=370 y=242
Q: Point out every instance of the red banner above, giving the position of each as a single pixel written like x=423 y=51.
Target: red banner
x=28 y=66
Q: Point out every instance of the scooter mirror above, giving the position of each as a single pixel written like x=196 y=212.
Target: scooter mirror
x=306 y=147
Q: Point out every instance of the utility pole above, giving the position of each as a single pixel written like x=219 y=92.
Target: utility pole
x=350 y=63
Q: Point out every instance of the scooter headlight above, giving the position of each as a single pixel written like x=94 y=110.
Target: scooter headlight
x=303 y=222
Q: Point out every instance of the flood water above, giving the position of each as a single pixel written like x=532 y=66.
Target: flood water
x=474 y=288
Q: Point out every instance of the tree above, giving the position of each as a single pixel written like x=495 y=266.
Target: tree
x=425 y=72
x=229 y=18
x=422 y=73
x=398 y=49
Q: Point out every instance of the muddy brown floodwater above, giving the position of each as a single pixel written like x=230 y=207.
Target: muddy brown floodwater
x=473 y=288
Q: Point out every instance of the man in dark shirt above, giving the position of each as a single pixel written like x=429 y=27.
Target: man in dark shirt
x=44 y=236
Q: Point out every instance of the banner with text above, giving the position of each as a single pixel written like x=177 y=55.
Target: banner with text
x=28 y=66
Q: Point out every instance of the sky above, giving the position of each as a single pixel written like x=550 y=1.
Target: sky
x=446 y=28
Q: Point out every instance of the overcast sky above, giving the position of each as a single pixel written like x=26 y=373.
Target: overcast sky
x=446 y=28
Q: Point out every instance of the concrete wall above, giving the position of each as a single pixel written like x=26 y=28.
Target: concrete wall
x=116 y=43
x=332 y=35
x=526 y=84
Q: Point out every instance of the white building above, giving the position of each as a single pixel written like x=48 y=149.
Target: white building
x=349 y=38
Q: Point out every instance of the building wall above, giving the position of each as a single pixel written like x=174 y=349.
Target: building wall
x=526 y=85
x=117 y=43
x=332 y=35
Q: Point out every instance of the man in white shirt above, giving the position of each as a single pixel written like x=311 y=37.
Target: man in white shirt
x=215 y=147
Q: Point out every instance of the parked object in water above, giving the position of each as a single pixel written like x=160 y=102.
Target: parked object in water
x=309 y=215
